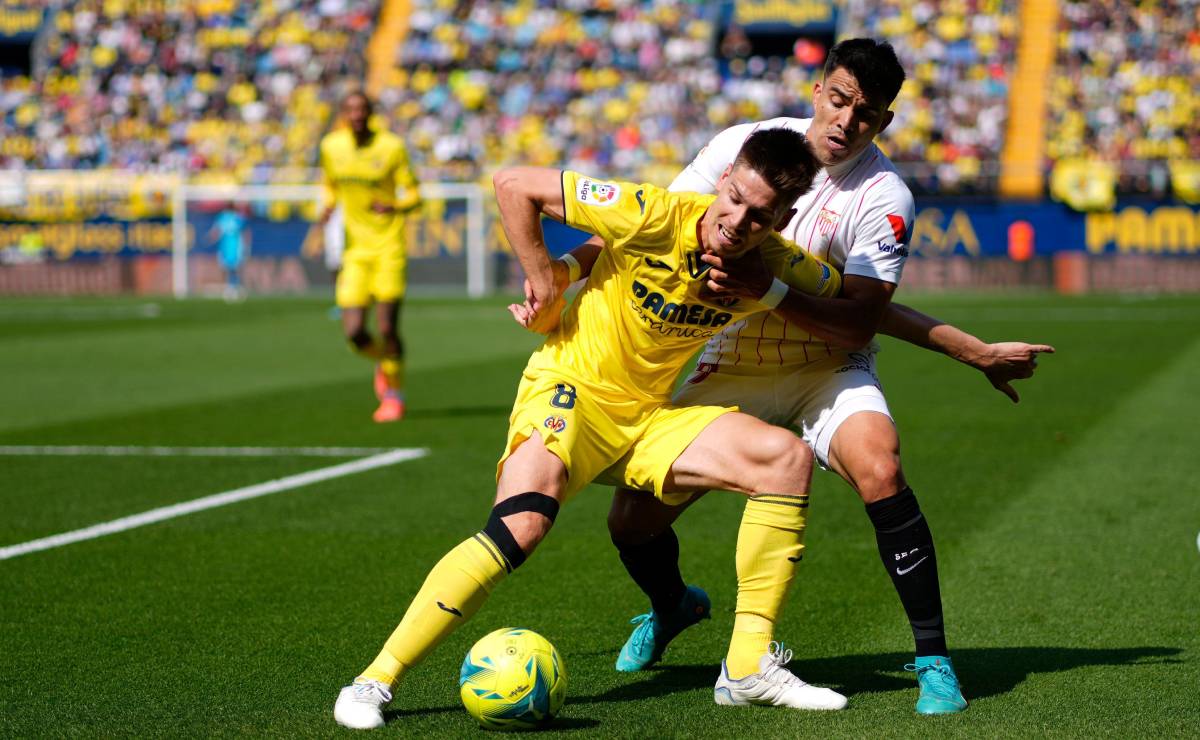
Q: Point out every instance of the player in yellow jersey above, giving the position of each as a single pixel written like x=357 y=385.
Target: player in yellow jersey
x=594 y=400
x=366 y=172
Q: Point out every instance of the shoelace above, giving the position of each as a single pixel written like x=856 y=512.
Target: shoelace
x=644 y=631
x=778 y=671
x=372 y=691
x=941 y=679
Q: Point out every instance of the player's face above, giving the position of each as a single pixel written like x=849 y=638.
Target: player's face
x=844 y=120
x=356 y=111
x=746 y=211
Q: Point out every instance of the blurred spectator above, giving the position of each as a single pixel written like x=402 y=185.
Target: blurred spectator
x=1127 y=89
x=218 y=85
x=952 y=111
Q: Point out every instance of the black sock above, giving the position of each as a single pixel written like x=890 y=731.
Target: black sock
x=906 y=548
x=654 y=567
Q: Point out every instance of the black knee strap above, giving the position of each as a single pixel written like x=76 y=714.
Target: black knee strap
x=498 y=531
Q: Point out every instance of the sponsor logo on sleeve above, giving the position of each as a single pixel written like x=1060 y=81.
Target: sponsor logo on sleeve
x=593 y=193
x=899 y=228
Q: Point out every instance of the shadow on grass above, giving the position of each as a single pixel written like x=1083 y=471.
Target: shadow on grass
x=983 y=671
x=558 y=724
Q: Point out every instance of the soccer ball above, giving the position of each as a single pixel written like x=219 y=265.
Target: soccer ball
x=512 y=679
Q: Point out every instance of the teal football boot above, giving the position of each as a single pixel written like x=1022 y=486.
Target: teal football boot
x=940 y=693
x=654 y=632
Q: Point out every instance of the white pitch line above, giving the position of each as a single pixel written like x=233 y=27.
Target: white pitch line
x=211 y=502
x=161 y=451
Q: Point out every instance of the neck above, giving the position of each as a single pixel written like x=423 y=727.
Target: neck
x=362 y=137
x=701 y=230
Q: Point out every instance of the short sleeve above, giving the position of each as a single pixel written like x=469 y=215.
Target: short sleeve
x=615 y=211
x=882 y=233
x=800 y=269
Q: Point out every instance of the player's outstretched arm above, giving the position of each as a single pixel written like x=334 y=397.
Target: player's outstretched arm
x=523 y=194
x=1000 y=362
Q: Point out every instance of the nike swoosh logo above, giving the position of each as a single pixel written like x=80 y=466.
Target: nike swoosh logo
x=796 y=559
x=450 y=609
x=899 y=571
x=657 y=264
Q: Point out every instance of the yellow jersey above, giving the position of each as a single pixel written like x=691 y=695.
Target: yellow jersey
x=357 y=177
x=640 y=316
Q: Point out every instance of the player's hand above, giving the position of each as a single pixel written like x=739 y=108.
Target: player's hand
x=1004 y=362
x=744 y=277
x=541 y=315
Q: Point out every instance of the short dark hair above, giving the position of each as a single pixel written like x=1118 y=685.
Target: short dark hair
x=782 y=158
x=873 y=63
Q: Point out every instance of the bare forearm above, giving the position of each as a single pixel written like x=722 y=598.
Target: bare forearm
x=912 y=326
x=839 y=321
x=521 y=203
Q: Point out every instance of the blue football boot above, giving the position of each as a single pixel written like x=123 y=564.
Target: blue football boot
x=940 y=693
x=654 y=631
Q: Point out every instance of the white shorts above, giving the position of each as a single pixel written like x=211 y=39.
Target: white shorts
x=812 y=400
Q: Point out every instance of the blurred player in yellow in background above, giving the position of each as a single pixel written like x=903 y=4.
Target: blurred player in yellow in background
x=366 y=173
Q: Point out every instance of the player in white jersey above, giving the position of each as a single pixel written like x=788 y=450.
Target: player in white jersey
x=810 y=363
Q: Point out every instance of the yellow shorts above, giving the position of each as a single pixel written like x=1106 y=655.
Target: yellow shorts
x=364 y=278
x=628 y=443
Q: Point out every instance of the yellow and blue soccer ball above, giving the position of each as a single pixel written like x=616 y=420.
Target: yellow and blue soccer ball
x=513 y=679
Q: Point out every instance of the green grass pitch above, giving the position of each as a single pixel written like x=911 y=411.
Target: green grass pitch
x=1066 y=528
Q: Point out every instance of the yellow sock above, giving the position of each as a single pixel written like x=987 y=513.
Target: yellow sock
x=453 y=591
x=770 y=543
x=393 y=370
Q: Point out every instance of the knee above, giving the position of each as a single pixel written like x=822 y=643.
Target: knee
x=624 y=529
x=359 y=337
x=785 y=461
x=880 y=478
x=519 y=523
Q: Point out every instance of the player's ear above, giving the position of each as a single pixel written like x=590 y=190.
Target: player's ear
x=724 y=175
x=888 y=115
x=816 y=93
x=783 y=220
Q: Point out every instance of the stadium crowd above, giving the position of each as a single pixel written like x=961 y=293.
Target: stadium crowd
x=232 y=87
x=212 y=86
x=1125 y=90
x=950 y=121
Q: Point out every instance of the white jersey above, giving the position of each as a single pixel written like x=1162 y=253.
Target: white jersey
x=858 y=217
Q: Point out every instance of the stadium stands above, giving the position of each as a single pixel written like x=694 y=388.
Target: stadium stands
x=951 y=115
x=220 y=86
x=1125 y=89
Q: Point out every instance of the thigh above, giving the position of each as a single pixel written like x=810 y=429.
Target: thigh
x=572 y=425
x=353 y=283
x=666 y=433
x=737 y=452
x=830 y=392
x=388 y=278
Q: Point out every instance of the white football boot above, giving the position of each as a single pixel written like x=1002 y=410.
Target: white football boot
x=774 y=685
x=360 y=705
